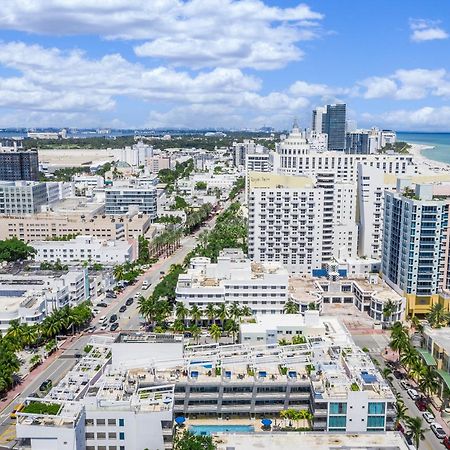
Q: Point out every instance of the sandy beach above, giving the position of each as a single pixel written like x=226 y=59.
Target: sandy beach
x=72 y=158
x=425 y=163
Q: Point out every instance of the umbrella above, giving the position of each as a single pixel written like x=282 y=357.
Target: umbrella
x=266 y=422
x=180 y=420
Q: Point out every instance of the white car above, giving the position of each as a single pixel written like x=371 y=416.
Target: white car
x=429 y=417
x=405 y=384
x=413 y=394
x=104 y=326
x=438 y=430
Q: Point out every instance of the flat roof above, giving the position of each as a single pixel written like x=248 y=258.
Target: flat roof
x=312 y=441
x=272 y=180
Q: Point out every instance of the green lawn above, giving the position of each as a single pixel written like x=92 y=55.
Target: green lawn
x=51 y=409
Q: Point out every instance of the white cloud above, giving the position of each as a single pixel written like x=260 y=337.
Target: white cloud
x=427 y=118
x=411 y=84
x=426 y=30
x=305 y=89
x=195 y=33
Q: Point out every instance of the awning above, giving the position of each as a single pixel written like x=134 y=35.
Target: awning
x=445 y=377
x=427 y=357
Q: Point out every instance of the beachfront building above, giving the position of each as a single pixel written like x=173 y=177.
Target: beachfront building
x=84 y=248
x=296 y=156
x=234 y=278
x=415 y=259
x=301 y=222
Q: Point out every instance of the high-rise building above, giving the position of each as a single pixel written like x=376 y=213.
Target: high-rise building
x=334 y=124
x=18 y=164
x=415 y=256
x=301 y=222
x=317 y=119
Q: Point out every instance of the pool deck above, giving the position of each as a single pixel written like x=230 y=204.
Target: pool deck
x=256 y=423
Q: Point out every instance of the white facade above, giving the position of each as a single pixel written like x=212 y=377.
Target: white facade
x=84 y=248
x=263 y=288
x=135 y=156
x=296 y=157
x=29 y=298
x=88 y=181
x=59 y=190
x=301 y=222
x=22 y=197
x=272 y=329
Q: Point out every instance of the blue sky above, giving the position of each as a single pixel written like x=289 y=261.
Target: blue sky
x=223 y=63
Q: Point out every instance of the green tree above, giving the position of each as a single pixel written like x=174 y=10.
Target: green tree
x=215 y=332
x=416 y=430
x=232 y=327
x=211 y=312
x=196 y=332
x=438 y=316
x=181 y=311
x=190 y=441
x=15 y=250
x=400 y=412
x=389 y=308
x=195 y=313
x=290 y=307
x=201 y=186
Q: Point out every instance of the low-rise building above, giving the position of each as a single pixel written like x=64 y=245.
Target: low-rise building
x=234 y=278
x=30 y=297
x=36 y=227
x=85 y=249
x=22 y=197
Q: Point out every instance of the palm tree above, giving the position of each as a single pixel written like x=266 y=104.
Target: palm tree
x=290 y=307
x=148 y=308
x=387 y=374
x=181 y=311
x=215 y=332
x=222 y=313
x=389 y=308
x=400 y=412
x=246 y=311
x=235 y=311
x=438 y=316
x=195 y=331
x=211 y=312
x=118 y=272
x=203 y=239
x=410 y=358
x=178 y=326
x=15 y=334
x=195 y=313
x=399 y=338
x=428 y=381
x=232 y=327
x=30 y=335
x=416 y=430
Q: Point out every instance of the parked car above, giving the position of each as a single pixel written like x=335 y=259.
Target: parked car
x=102 y=305
x=438 y=430
x=446 y=442
x=405 y=384
x=129 y=301
x=113 y=318
x=45 y=385
x=123 y=308
x=114 y=326
x=422 y=404
x=102 y=319
x=429 y=417
x=111 y=295
x=399 y=375
x=145 y=284
x=104 y=326
x=413 y=394
x=91 y=329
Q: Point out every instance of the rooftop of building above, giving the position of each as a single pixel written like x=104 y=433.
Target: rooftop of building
x=266 y=180
x=76 y=205
x=313 y=441
x=441 y=336
x=127 y=337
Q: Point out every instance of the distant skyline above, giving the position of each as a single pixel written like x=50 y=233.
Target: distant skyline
x=223 y=63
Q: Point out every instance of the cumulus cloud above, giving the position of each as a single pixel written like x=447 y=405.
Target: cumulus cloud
x=411 y=84
x=426 y=30
x=426 y=118
x=195 y=33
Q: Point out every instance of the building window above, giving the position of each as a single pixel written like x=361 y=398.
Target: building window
x=375 y=422
x=121 y=436
x=338 y=408
x=112 y=422
x=121 y=422
x=337 y=423
x=376 y=408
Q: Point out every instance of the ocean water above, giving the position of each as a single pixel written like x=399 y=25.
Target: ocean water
x=439 y=141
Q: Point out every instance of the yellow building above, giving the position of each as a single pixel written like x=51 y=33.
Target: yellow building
x=417 y=305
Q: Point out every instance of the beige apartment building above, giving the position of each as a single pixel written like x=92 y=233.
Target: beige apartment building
x=42 y=226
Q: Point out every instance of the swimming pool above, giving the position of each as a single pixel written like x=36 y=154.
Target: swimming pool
x=206 y=430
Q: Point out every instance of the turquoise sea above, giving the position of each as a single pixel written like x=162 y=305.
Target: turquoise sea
x=439 y=141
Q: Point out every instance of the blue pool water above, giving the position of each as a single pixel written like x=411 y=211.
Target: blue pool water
x=206 y=430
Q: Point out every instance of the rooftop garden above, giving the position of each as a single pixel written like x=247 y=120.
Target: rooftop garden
x=35 y=407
